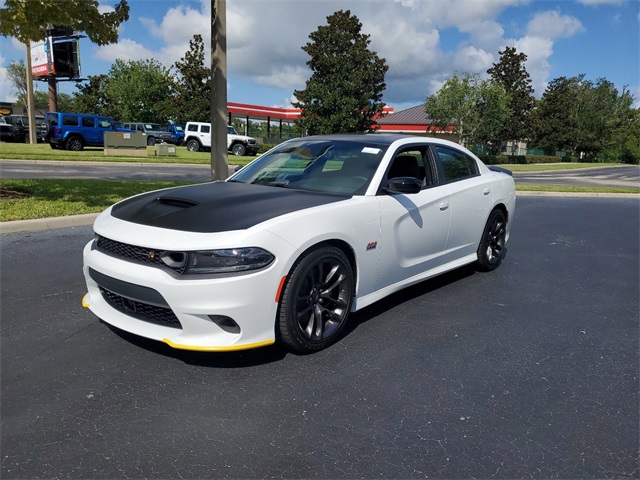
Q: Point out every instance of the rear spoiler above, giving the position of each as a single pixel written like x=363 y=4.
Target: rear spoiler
x=499 y=169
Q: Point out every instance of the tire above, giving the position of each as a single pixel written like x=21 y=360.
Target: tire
x=193 y=145
x=26 y=138
x=54 y=146
x=239 y=150
x=316 y=300
x=151 y=141
x=492 y=245
x=75 y=144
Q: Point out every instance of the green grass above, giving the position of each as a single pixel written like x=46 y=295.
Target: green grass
x=42 y=151
x=542 y=167
x=55 y=197
x=575 y=189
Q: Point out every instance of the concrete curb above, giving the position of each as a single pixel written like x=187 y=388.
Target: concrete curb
x=47 y=223
x=89 y=218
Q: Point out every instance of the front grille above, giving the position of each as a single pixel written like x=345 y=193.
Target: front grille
x=145 y=255
x=141 y=311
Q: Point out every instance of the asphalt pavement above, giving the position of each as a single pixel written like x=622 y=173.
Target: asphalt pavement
x=530 y=371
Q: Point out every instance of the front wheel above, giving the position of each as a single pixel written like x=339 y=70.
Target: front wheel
x=151 y=141
x=492 y=245
x=239 y=150
x=316 y=300
x=193 y=145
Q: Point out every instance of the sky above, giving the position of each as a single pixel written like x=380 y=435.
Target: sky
x=424 y=42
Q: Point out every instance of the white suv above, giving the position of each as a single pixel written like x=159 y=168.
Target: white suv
x=197 y=136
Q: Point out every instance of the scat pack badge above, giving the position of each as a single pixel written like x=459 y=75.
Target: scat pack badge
x=372 y=245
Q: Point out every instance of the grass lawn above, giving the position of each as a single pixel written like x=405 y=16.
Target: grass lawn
x=545 y=167
x=42 y=151
x=42 y=198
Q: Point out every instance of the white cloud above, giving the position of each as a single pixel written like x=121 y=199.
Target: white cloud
x=600 y=2
x=125 y=49
x=552 y=25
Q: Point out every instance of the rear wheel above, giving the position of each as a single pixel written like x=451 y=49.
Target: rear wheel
x=316 y=300
x=193 y=145
x=54 y=146
x=239 y=149
x=492 y=246
x=74 y=143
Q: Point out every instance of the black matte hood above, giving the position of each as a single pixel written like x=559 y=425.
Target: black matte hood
x=217 y=207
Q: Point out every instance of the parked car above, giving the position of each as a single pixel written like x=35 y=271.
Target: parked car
x=74 y=131
x=153 y=131
x=19 y=131
x=177 y=133
x=288 y=246
x=198 y=137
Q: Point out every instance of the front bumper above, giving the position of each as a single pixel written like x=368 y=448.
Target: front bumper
x=122 y=292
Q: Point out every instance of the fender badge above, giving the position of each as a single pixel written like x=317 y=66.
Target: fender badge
x=372 y=245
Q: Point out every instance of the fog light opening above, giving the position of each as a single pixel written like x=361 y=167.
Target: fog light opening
x=225 y=323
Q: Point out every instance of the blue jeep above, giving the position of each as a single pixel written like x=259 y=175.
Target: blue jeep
x=74 y=131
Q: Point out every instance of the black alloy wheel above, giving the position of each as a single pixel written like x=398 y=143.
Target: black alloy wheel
x=492 y=246
x=316 y=300
x=75 y=144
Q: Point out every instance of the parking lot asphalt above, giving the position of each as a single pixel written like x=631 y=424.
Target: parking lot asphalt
x=530 y=371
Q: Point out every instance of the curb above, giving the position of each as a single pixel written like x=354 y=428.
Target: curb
x=88 y=218
x=47 y=223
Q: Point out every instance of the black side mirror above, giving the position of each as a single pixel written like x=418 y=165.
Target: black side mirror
x=404 y=185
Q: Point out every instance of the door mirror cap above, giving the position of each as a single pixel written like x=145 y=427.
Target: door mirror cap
x=404 y=185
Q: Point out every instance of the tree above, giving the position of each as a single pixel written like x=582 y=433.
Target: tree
x=92 y=98
x=17 y=75
x=140 y=91
x=344 y=92
x=475 y=108
x=24 y=20
x=553 y=125
x=192 y=96
x=510 y=72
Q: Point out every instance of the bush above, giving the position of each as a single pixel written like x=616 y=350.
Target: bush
x=265 y=147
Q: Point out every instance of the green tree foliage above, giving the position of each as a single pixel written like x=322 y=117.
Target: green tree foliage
x=139 y=91
x=510 y=72
x=475 y=108
x=40 y=100
x=344 y=92
x=17 y=75
x=192 y=98
x=586 y=118
x=24 y=19
x=91 y=97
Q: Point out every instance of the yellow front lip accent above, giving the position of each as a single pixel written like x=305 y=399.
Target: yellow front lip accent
x=231 y=348
x=85 y=303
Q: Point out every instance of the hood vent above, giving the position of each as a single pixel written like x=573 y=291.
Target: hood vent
x=177 y=202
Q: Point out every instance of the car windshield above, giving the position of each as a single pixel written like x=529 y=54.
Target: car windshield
x=328 y=166
x=178 y=128
x=152 y=126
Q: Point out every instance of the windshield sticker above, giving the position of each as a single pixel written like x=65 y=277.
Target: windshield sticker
x=375 y=151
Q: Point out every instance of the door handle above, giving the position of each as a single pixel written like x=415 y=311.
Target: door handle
x=486 y=191
x=443 y=206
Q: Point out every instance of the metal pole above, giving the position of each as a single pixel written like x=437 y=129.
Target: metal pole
x=219 y=163
x=31 y=110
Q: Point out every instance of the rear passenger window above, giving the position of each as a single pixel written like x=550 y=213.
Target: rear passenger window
x=454 y=165
x=193 y=128
x=205 y=129
x=88 y=122
x=70 y=120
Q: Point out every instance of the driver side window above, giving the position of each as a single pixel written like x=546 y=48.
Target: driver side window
x=411 y=162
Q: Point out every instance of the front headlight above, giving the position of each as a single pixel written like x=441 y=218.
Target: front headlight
x=228 y=260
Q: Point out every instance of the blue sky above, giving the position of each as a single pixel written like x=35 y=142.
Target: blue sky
x=423 y=41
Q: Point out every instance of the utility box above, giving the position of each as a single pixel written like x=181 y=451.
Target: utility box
x=165 y=150
x=129 y=144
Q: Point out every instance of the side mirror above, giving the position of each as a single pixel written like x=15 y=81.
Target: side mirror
x=404 y=185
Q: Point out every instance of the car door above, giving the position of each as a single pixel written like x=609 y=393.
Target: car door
x=470 y=202
x=88 y=129
x=414 y=227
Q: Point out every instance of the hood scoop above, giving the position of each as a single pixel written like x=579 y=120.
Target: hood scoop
x=177 y=202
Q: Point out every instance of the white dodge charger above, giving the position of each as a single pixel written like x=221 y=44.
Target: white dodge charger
x=288 y=246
